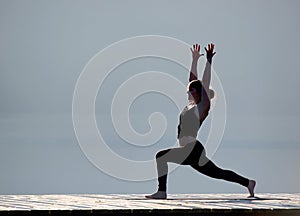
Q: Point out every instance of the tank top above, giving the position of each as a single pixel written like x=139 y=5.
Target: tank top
x=189 y=122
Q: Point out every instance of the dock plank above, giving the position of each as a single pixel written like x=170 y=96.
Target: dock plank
x=137 y=202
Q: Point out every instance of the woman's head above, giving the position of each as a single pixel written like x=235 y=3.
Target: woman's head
x=194 y=90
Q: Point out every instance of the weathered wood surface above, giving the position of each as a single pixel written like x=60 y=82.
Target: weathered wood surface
x=137 y=201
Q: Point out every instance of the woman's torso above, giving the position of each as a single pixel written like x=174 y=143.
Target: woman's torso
x=189 y=124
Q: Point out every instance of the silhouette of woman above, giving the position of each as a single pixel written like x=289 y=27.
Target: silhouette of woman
x=191 y=151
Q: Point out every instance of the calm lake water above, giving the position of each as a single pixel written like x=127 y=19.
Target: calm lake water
x=61 y=167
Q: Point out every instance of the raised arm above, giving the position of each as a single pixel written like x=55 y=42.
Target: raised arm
x=195 y=56
x=207 y=71
x=206 y=94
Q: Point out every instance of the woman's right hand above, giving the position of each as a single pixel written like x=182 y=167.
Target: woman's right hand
x=196 y=52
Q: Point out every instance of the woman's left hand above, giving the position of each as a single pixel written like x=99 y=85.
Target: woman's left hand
x=210 y=52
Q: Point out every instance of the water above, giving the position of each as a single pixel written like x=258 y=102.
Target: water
x=60 y=167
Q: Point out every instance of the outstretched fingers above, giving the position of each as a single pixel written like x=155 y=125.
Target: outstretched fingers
x=210 y=46
x=210 y=49
x=196 y=51
x=196 y=47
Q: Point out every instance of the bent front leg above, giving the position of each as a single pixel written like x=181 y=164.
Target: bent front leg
x=183 y=156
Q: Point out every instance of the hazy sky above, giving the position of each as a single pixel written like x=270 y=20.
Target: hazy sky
x=44 y=46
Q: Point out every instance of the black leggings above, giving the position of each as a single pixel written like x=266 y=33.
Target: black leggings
x=192 y=154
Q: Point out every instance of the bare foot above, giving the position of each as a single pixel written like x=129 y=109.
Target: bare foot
x=251 y=187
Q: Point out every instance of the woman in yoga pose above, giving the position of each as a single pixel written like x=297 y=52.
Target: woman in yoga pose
x=191 y=151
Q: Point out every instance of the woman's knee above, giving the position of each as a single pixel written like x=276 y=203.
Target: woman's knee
x=161 y=153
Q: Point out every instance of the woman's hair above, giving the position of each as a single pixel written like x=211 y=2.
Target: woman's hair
x=197 y=84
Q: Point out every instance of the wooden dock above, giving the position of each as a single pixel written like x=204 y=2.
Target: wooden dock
x=136 y=204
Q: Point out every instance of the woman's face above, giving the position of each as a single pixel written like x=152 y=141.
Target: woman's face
x=193 y=95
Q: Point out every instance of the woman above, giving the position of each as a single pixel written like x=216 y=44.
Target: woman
x=191 y=151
